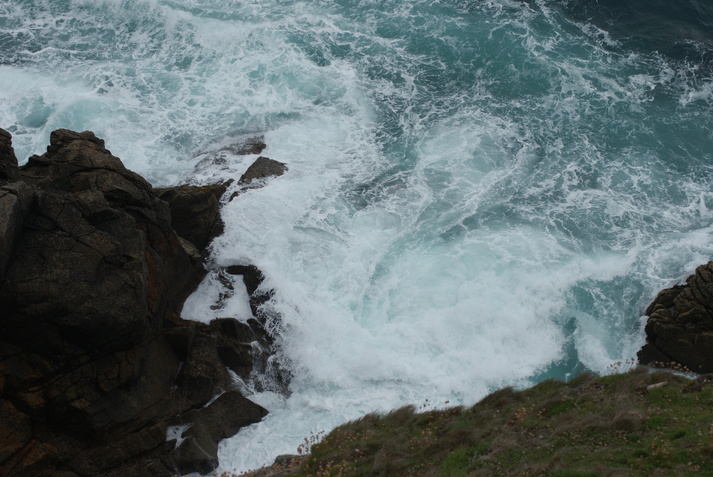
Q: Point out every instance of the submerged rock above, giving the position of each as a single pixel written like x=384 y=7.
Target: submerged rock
x=97 y=371
x=251 y=145
x=247 y=145
x=679 y=330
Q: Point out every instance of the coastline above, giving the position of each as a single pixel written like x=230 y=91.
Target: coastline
x=93 y=369
x=99 y=376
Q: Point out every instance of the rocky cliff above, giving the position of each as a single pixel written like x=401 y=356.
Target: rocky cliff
x=98 y=374
x=679 y=330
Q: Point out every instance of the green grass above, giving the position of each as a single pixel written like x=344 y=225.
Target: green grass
x=591 y=426
x=457 y=462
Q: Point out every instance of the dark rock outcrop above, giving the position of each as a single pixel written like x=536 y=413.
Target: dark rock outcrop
x=8 y=161
x=268 y=373
x=251 y=145
x=255 y=175
x=15 y=201
x=262 y=167
x=679 y=330
x=195 y=212
x=98 y=374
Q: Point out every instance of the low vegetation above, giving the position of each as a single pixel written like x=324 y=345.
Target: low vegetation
x=639 y=423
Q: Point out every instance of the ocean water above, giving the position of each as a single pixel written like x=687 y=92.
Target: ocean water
x=480 y=193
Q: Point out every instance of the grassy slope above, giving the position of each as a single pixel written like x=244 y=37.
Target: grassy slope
x=621 y=425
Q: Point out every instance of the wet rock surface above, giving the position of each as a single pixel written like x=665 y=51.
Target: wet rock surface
x=195 y=212
x=262 y=168
x=8 y=161
x=98 y=374
x=679 y=330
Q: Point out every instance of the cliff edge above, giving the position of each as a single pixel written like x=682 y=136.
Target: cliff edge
x=98 y=374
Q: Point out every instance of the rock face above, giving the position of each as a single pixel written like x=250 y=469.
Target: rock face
x=98 y=374
x=8 y=161
x=679 y=329
x=195 y=211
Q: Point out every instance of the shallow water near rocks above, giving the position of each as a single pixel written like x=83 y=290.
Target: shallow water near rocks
x=479 y=194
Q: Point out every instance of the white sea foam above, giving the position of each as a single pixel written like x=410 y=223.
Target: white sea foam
x=218 y=297
x=479 y=194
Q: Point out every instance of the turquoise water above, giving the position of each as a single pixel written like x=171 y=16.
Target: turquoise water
x=480 y=193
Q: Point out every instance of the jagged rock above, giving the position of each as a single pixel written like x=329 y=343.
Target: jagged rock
x=253 y=278
x=252 y=178
x=205 y=427
x=16 y=430
x=200 y=378
x=32 y=460
x=8 y=162
x=15 y=201
x=251 y=145
x=272 y=373
x=115 y=454
x=195 y=212
x=105 y=248
x=262 y=167
x=679 y=330
x=234 y=343
x=95 y=364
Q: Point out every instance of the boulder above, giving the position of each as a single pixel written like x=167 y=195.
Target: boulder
x=95 y=364
x=679 y=329
x=262 y=168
